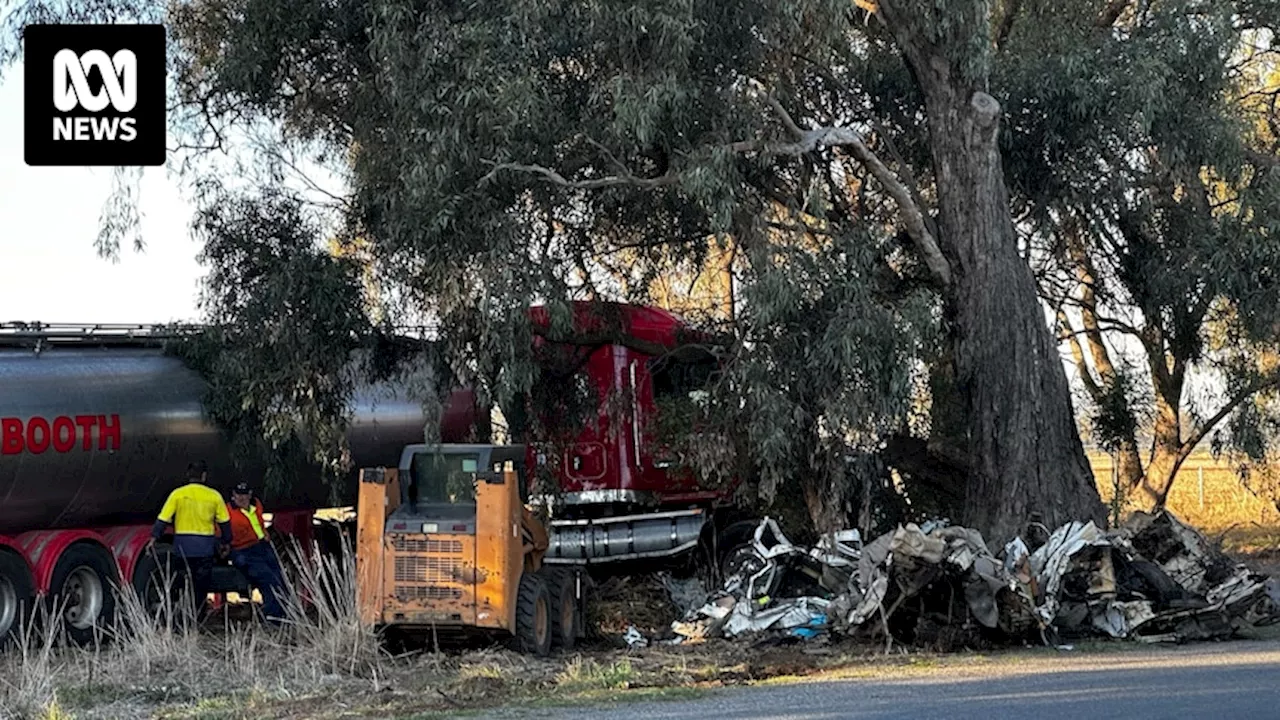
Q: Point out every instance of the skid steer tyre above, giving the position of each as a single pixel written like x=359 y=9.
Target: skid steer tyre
x=533 y=617
x=564 y=609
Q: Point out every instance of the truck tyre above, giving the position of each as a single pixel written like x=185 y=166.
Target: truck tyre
x=154 y=580
x=82 y=592
x=730 y=543
x=533 y=616
x=564 y=609
x=17 y=597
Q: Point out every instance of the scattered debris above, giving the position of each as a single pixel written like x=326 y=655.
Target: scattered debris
x=686 y=593
x=746 y=603
x=634 y=638
x=622 y=601
x=1154 y=580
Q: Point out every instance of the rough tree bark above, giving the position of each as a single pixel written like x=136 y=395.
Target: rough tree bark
x=1023 y=446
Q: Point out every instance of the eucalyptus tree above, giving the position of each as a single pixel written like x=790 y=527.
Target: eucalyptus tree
x=1144 y=164
x=862 y=160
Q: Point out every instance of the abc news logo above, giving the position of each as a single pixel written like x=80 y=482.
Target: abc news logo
x=71 y=90
x=95 y=94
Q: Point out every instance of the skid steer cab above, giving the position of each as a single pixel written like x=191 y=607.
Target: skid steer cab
x=446 y=546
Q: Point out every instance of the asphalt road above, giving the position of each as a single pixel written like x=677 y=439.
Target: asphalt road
x=1220 y=681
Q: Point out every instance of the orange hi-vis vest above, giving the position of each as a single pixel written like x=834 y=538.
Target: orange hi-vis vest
x=247 y=525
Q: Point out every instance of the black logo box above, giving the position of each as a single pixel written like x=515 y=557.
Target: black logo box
x=41 y=43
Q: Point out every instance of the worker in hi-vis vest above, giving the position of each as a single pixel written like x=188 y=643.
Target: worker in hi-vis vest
x=200 y=519
x=252 y=553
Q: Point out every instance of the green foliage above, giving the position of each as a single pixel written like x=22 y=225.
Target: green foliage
x=506 y=152
x=286 y=319
x=1118 y=410
x=826 y=364
x=1135 y=158
x=435 y=104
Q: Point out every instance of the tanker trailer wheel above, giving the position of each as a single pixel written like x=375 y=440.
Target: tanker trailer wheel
x=81 y=592
x=17 y=596
x=533 y=616
x=564 y=607
x=156 y=584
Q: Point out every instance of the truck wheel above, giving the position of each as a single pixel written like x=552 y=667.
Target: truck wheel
x=564 y=609
x=154 y=583
x=734 y=545
x=17 y=595
x=533 y=616
x=81 y=592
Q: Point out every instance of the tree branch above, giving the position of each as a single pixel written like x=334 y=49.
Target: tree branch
x=1088 y=277
x=623 y=179
x=1111 y=13
x=1232 y=403
x=786 y=118
x=905 y=169
x=1077 y=353
x=1262 y=159
x=807 y=141
x=1112 y=324
x=1011 y=9
x=912 y=216
x=880 y=130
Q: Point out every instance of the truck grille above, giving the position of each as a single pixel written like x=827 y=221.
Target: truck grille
x=401 y=543
x=418 y=569
x=427 y=592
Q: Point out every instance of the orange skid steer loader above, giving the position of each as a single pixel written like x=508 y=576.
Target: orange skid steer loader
x=444 y=545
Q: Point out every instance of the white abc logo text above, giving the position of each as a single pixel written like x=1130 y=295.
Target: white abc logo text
x=121 y=93
x=119 y=89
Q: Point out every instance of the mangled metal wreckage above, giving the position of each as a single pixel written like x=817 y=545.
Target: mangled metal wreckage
x=1154 y=579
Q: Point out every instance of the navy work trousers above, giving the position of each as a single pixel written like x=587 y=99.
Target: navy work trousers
x=259 y=563
x=199 y=572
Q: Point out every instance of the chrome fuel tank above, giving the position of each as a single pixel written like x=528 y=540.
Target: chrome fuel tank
x=93 y=436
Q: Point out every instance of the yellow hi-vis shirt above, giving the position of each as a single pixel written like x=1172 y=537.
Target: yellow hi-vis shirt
x=251 y=513
x=195 y=509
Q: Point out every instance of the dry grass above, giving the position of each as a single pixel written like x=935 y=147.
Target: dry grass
x=27 y=681
x=322 y=663
x=1206 y=493
x=158 y=662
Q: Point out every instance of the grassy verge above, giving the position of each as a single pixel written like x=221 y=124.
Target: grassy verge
x=326 y=664
x=282 y=681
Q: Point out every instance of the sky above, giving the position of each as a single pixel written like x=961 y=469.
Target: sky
x=49 y=269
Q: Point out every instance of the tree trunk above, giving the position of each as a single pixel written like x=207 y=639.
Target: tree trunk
x=1166 y=458
x=1023 y=444
x=1023 y=439
x=1129 y=467
x=1129 y=463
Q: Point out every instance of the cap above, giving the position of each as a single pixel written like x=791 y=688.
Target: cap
x=243 y=489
